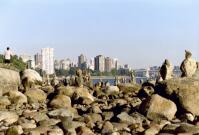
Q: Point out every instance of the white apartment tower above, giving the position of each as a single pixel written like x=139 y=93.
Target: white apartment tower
x=48 y=60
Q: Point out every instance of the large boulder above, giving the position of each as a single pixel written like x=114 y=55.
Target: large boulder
x=134 y=88
x=61 y=101
x=146 y=91
x=14 y=130
x=56 y=131
x=125 y=118
x=158 y=108
x=17 y=98
x=67 y=91
x=27 y=124
x=64 y=112
x=84 y=94
x=184 y=91
x=30 y=77
x=112 y=90
x=49 y=122
x=84 y=131
x=36 y=96
x=9 y=80
x=156 y=127
x=4 y=102
x=48 y=89
x=107 y=128
x=75 y=92
x=187 y=128
x=8 y=117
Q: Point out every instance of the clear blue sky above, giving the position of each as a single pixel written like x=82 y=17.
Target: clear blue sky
x=139 y=32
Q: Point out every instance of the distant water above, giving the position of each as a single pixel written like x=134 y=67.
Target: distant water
x=112 y=81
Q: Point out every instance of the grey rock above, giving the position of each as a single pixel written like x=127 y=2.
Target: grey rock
x=69 y=112
x=30 y=78
x=112 y=90
x=158 y=108
x=10 y=80
x=67 y=91
x=56 y=131
x=107 y=115
x=187 y=128
x=188 y=66
x=36 y=96
x=125 y=118
x=4 y=102
x=48 y=89
x=184 y=90
x=27 y=124
x=107 y=128
x=17 y=98
x=155 y=128
x=170 y=128
x=49 y=122
x=8 y=117
x=84 y=131
x=61 y=101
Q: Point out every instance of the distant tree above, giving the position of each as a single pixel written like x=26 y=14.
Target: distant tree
x=72 y=71
x=16 y=63
x=1 y=58
x=114 y=72
x=61 y=72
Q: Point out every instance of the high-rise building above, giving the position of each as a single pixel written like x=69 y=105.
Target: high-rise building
x=108 y=64
x=115 y=63
x=65 y=64
x=91 y=64
x=38 y=60
x=57 y=64
x=28 y=60
x=81 y=61
x=48 y=60
x=99 y=63
x=31 y=64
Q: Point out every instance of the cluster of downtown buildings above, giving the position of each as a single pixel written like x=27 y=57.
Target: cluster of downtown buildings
x=46 y=62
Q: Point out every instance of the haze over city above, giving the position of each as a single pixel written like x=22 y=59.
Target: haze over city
x=141 y=33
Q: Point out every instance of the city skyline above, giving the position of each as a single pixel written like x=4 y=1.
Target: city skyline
x=141 y=33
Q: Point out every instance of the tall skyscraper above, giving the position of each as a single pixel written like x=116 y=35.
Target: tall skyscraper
x=82 y=61
x=108 y=64
x=99 y=63
x=48 y=60
x=115 y=63
x=91 y=64
x=38 y=60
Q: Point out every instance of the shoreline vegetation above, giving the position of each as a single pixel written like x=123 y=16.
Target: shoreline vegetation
x=16 y=63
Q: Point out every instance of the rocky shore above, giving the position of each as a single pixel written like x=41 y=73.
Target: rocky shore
x=167 y=107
